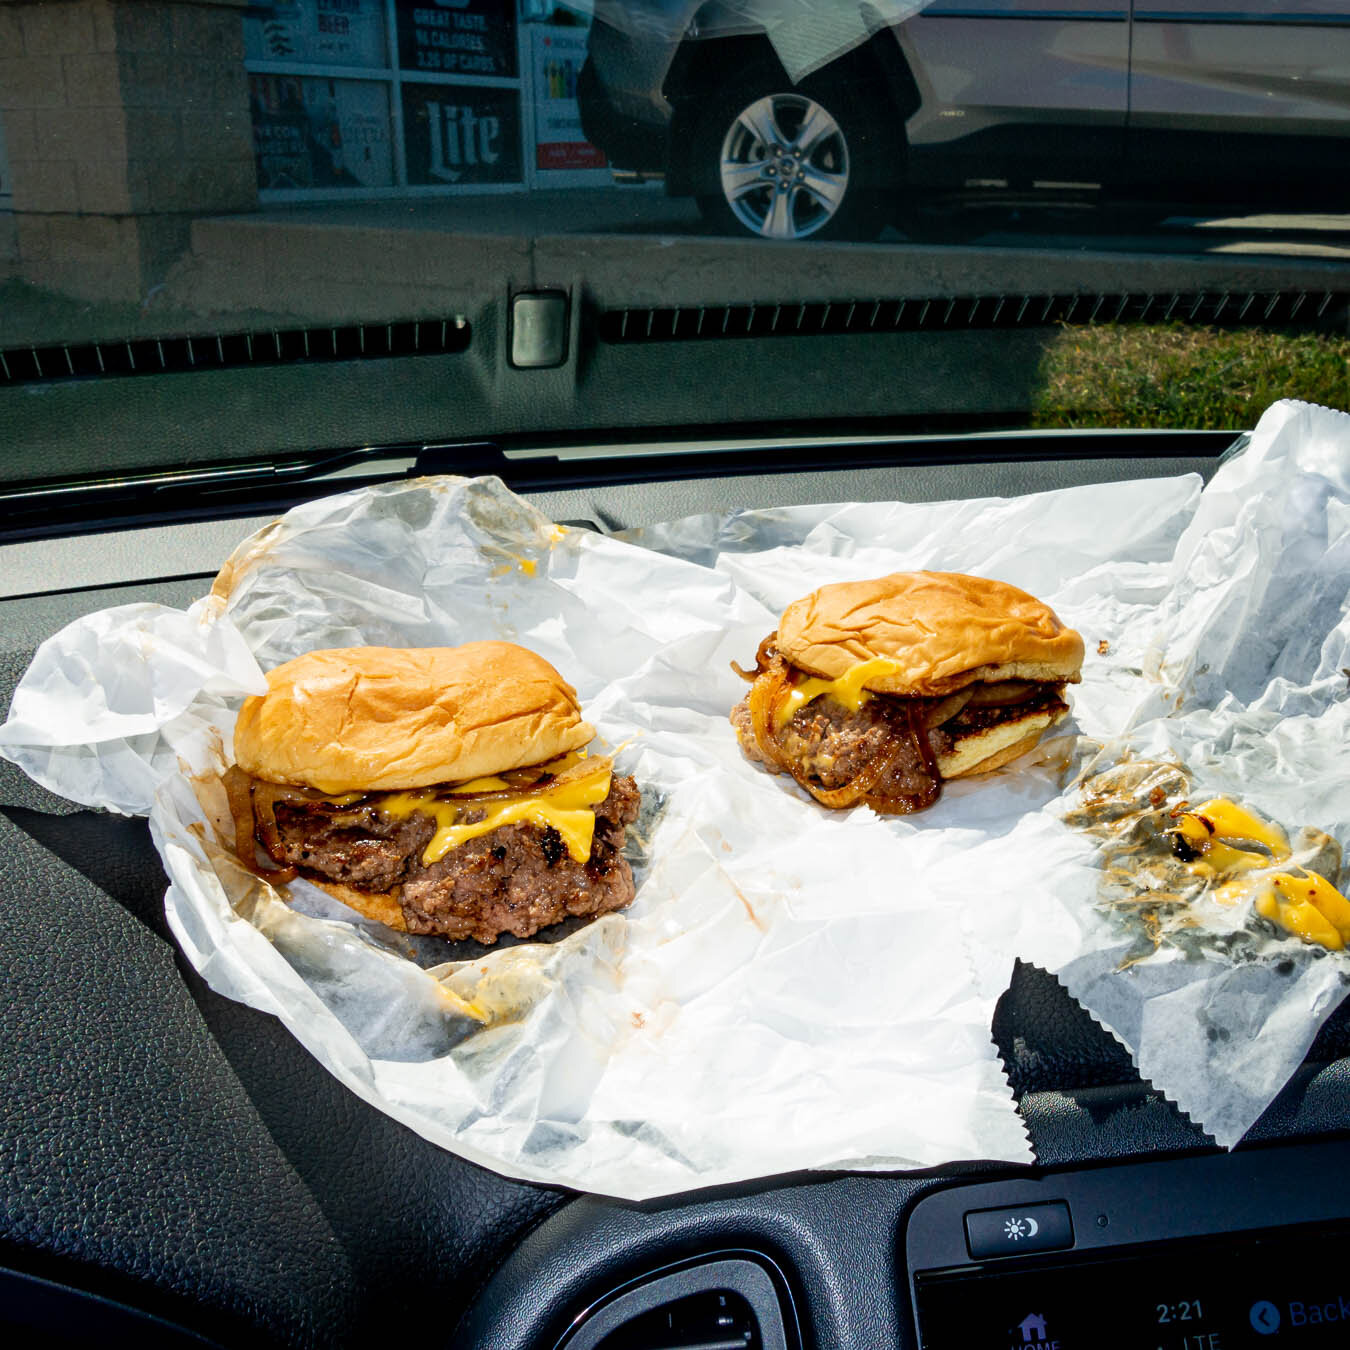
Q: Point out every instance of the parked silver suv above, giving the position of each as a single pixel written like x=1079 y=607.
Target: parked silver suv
x=789 y=118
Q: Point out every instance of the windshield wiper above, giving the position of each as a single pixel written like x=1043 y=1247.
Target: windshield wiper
x=65 y=506
x=37 y=509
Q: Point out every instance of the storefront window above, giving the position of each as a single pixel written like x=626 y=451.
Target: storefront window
x=320 y=133
x=475 y=37
x=317 y=32
x=556 y=44
x=389 y=97
x=461 y=134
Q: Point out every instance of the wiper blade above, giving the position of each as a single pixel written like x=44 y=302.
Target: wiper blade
x=254 y=487
x=63 y=506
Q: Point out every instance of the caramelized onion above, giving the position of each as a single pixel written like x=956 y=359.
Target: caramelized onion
x=903 y=806
x=523 y=782
x=940 y=710
x=1002 y=692
x=766 y=694
x=857 y=787
x=265 y=796
x=253 y=827
x=765 y=656
x=238 y=792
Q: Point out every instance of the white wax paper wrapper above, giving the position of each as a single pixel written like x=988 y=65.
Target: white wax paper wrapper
x=792 y=988
x=787 y=991
x=1248 y=689
x=1224 y=619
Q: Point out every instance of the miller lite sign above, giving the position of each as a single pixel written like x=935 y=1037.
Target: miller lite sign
x=457 y=134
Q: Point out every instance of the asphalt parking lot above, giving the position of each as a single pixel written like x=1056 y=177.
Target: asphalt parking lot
x=350 y=261
x=1179 y=230
x=634 y=246
x=1175 y=228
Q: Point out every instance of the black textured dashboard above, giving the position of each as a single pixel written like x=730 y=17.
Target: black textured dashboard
x=183 y=1155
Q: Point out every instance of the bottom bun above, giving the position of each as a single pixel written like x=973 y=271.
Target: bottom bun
x=999 y=745
x=382 y=906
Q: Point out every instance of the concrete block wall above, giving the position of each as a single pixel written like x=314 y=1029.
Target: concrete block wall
x=124 y=120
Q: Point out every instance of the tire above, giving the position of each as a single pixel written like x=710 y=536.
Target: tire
x=780 y=161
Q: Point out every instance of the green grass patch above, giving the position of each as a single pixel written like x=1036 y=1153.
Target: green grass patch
x=1174 y=375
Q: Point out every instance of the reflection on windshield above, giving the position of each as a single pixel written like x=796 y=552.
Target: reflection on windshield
x=191 y=169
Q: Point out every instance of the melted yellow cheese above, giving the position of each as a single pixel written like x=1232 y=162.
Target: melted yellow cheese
x=847 y=689
x=1231 y=821
x=1307 y=905
x=480 y=785
x=1206 y=828
x=568 y=808
x=1231 y=892
x=568 y=761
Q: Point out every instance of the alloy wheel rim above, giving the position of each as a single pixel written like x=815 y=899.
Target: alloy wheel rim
x=784 y=167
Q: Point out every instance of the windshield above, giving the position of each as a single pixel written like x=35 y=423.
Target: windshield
x=1009 y=213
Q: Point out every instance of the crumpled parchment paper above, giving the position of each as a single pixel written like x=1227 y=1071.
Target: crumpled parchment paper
x=1224 y=617
x=784 y=993
x=793 y=988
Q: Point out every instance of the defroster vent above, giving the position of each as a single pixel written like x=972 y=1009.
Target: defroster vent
x=224 y=351
x=694 y=323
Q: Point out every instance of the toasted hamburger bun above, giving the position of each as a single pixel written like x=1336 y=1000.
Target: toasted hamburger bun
x=977 y=669
x=944 y=629
x=379 y=719
x=382 y=906
x=985 y=751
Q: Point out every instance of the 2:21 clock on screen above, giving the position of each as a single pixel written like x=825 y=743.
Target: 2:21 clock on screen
x=1186 y=1310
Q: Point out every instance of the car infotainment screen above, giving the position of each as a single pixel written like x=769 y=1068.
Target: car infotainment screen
x=1280 y=1289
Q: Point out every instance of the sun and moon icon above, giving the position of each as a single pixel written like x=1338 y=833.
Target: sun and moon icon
x=1016 y=1229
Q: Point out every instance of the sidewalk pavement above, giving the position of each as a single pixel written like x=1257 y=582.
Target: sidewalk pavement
x=379 y=260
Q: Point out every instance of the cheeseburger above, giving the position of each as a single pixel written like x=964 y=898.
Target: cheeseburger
x=441 y=790
x=877 y=691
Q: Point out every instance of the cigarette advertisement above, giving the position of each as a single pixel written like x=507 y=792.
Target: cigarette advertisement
x=562 y=155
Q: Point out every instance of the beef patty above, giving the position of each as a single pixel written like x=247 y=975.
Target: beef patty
x=831 y=746
x=514 y=879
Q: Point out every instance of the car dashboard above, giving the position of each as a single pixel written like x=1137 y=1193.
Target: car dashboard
x=178 y=1157
x=180 y=1171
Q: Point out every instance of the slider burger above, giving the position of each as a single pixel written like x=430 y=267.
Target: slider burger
x=440 y=790
x=877 y=691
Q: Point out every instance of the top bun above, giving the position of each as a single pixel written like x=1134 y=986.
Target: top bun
x=946 y=630
x=378 y=719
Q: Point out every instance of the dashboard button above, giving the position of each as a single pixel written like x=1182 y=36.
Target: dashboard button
x=538 y=330
x=1011 y=1232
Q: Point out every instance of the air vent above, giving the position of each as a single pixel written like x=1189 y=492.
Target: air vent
x=1281 y=309
x=717 y=1320
x=732 y=1303
x=223 y=351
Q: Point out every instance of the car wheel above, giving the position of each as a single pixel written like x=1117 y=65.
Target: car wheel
x=783 y=162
